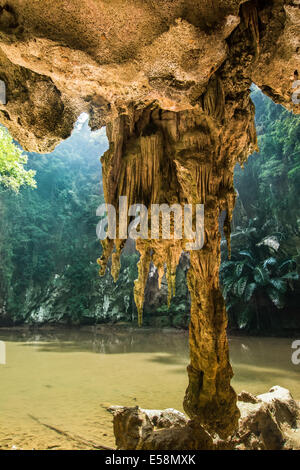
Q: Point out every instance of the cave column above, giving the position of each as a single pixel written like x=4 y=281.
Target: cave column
x=209 y=398
x=183 y=158
x=205 y=176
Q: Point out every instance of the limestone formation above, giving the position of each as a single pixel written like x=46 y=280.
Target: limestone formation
x=272 y=423
x=170 y=81
x=135 y=429
x=268 y=422
x=160 y=419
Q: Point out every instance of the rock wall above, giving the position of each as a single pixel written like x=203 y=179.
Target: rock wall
x=105 y=57
x=170 y=80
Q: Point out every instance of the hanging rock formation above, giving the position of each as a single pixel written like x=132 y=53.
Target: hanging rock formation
x=170 y=80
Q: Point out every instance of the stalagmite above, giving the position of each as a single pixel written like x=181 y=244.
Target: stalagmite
x=194 y=162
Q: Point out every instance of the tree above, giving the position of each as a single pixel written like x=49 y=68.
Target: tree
x=12 y=161
x=254 y=280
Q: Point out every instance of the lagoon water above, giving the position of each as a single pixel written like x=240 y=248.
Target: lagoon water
x=56 y=386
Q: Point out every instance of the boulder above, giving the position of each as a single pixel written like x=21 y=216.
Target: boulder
x=189 y=437
x=168 y=429
x=158 y=418
x=268 y=422
x=131 y=426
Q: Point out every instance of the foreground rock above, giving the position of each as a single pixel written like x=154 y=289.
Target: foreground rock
x=135 y=429
x=268 y=422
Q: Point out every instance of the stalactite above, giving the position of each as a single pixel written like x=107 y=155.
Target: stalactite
x=140 y=283
x=188 y=157
x=214 y=99
x=250 y=17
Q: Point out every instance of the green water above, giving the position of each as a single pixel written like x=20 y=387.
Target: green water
x=55 y=387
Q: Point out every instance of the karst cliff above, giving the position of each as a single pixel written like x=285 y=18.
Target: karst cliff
x=170 y=80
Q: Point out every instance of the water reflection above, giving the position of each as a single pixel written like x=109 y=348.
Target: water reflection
x=104 y=342
x=68 y=378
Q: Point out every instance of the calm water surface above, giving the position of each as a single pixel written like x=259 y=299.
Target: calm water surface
x=56 y=386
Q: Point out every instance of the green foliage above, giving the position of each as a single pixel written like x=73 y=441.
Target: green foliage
x=48 y=243
x=249 y=276
x=12 y=161
x=266 y=249
x=269 y=185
